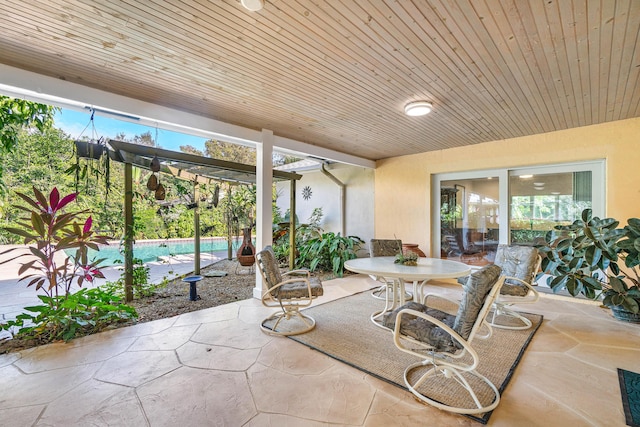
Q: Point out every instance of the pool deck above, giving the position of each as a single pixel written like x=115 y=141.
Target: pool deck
x=14 y=295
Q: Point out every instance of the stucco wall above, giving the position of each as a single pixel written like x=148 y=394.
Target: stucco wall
x=359 y=184
x=403 y=193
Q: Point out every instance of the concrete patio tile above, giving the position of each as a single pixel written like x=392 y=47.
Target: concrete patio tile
x=609 y=358
x=254 y=314
x=293 y=358
x=25 y=416
x=134 y=368
x=41 y=387
x=213 y=314
x=196 y=397
x=578 y=385
x=62 y=355
x=231 y=333
x=142 y=329
x=519 y=401
x=165 y=340
x=339 y=395
x=399 y=408
x=95 y=403
x=9 y=358
x=207 y=356
x=549 y=339
x=611 y=332
x=280 y=420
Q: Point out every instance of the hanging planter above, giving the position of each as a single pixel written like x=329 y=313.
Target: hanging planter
x=160 y=194
x=89 y=150
x=152 y=183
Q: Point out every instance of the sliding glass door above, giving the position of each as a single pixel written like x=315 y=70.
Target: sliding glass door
x=478 y=210
x=469 y=212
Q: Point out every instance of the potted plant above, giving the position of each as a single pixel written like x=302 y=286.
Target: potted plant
x=596 y=258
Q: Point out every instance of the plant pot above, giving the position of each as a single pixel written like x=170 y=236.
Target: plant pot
x=246 y=253
x=89 y=150
x=624 y=315
x=412 y=247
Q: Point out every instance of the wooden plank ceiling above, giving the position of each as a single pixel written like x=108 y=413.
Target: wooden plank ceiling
x=338 y=73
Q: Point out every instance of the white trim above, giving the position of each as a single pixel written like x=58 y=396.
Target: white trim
x=597 y=167
x=36 y=87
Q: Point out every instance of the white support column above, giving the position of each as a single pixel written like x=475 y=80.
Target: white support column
x=264 y=193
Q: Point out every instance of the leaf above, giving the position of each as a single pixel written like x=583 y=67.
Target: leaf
x=87 y=225
x=617 y=285
x=54 y=199
x=38 y=224
x=67 y=199
x=44 y=206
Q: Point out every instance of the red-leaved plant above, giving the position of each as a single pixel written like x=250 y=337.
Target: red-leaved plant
x=52 y=233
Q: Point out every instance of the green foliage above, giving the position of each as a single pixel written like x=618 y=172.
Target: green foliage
x=304 y=232
x=230 y=152
x=16 y=115
x=66 y=317
x=141 y=286
x=584 y=258
x=52 y=231
x=328 y=252
x=411 y=258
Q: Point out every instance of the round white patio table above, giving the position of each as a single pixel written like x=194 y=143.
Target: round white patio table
x=427 y=269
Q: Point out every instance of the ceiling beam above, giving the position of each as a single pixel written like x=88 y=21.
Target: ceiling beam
x=40 y=88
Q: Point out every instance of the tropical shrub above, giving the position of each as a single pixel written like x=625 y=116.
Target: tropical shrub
x=328 y=252
x=57 y=259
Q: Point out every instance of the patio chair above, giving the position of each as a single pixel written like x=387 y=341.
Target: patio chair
x=289 y=291
x=519 y=264
x=385 y=247
x=456 y=249
x=444 y=344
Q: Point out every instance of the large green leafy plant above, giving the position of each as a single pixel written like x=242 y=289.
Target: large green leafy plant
x=594 y=257
x=57 y=258
x=328 y=252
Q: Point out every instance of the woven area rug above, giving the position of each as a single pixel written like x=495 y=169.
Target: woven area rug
x=630 y=390
x=345 y=332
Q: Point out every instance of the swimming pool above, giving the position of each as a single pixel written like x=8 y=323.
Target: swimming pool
x=152 y=250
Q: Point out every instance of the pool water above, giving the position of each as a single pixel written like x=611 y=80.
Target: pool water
x=151 y=250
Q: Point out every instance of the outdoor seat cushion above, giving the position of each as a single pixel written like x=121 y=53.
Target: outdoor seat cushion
x=298 y=289
x=423 y=330
x=516 y=261
x=476 y=289
x=475 y=293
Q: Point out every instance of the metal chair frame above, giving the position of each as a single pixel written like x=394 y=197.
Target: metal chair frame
x=445 y=363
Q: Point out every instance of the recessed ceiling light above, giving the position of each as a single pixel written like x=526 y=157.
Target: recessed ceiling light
x=538 y=183
x=555 y=193
x=252 y=5
x=525 y=176
x=418 y=108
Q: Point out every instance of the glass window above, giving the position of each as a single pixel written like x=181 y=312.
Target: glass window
x=467 y=223
x=469 y=215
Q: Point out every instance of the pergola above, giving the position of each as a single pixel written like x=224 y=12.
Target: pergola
x=193 y=168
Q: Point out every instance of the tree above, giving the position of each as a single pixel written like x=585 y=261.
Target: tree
x=144 y=139
x=230 y=152
x=15 y=115
x=190 y=149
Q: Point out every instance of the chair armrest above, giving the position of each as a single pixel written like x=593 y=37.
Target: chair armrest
x=297 y=273
x=454 y=303
x=266 y=295
x=525 y=298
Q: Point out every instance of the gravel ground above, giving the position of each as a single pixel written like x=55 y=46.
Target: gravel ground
x=173 y=299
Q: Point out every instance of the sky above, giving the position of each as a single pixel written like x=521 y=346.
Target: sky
x=77 y=125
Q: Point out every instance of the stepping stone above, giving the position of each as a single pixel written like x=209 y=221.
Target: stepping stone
x=215 y=273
